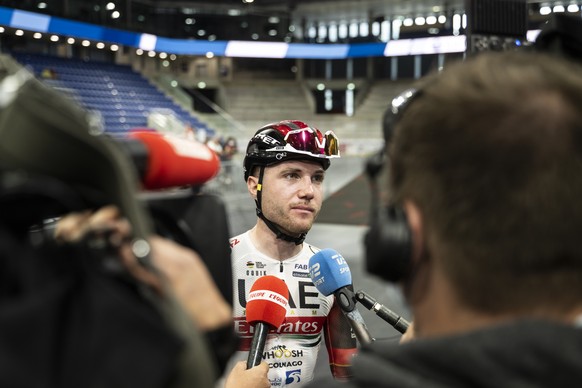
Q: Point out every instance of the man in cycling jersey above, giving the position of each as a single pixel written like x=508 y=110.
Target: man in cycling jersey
x=284 y=168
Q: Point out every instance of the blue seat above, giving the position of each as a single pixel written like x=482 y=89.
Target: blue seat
x=123 y=97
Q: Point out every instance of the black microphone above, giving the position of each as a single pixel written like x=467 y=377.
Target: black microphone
x=331 y=275
x=383 y=312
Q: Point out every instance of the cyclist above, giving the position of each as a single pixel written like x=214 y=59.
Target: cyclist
x=284 y=169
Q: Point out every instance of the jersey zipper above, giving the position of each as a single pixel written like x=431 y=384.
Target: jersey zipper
x=280 y=266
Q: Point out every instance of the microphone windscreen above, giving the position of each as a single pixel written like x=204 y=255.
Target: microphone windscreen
x=329 y=271
x=267 y=301
x=175 y=162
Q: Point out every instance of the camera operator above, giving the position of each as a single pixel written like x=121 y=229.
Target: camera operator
x=485 y=163
x=107 y=303
x=184 y=270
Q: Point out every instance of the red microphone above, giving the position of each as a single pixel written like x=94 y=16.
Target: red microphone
x=166 y=161
x=266 y=308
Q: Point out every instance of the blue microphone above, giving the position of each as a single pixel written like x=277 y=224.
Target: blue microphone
x=329 y=271
x=331 y=274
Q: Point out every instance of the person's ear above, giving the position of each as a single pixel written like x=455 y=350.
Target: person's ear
x=416 y=225
x=417 y=285
x=252 y=185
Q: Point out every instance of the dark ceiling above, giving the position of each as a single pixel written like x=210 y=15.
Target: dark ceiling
x=237 y=19
x=270 y=20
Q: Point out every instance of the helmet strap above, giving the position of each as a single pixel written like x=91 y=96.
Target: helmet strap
x=278 y=233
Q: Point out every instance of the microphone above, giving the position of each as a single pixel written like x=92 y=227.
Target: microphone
x=383 y=312
x=331 y=275
x=166 y=161
x=266 y=308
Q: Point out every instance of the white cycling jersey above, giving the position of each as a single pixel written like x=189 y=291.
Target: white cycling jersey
x=291 y=350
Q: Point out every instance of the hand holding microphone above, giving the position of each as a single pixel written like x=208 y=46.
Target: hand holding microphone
x=266 y=308
x=331 y=275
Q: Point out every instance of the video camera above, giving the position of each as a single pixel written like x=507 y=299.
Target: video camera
x=53 y=162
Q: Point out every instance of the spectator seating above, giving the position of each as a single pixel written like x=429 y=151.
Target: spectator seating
x=122 y=97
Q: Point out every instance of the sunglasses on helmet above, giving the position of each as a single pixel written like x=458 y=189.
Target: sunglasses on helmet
x=311 y=142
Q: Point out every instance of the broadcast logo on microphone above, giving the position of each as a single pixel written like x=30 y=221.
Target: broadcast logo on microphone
x=267 y=295
x=329 y=271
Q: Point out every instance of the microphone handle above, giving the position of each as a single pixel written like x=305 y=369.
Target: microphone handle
x=383 y=312
x=359 y=326
x=258 y=344
x=347 y=302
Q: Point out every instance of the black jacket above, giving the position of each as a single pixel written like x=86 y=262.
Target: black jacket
x=520 y=354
